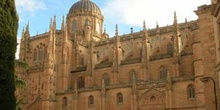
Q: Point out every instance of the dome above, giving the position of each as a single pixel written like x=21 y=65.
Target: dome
x=84 y=6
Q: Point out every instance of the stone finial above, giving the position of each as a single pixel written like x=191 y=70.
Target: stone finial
x=54 y=21
x=157 y=25
x=144 y=25
x=131 y=30
x=175 y=17
x=116 y=30
x=23 y=31
x=186 y=20
x=27 y=27
x=63 y=24
x=51 y=19
x=54 y=18
x=175 y=23
x=104 y=30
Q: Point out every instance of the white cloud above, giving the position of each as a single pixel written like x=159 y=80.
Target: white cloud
x=133 y=12
x=24 y=6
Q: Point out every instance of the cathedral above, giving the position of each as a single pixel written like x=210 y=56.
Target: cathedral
x=81 y=67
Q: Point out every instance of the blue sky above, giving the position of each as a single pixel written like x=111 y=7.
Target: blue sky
x=125 y=13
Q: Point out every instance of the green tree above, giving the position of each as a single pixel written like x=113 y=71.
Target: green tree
x=20 y=65
x=8 y=42
x=20 y=68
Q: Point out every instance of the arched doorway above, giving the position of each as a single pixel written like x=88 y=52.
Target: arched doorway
x=152 y=100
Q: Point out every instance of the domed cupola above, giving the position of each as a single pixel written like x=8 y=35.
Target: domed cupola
x=83 y=12
x=84 y=6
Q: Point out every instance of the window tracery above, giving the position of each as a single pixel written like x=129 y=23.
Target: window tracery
x=64 y=104
x=191 y=91
x=74 y=25
x=106 y=80
x=91 y=101
x=81 y=82
x=163 y=72
x=119 y=98
x=170 y=48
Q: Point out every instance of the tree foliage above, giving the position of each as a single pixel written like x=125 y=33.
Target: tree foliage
x=8 y=42
x=21 y=65
x=19 y=82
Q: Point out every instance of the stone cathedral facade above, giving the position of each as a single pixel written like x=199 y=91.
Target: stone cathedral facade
x=80 y=67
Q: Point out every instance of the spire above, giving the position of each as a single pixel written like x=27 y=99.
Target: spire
x=144 y=25
x=175 y=23
x=62 y=26
x=104 y=30
x=186 y=24
x=157 y=25
x=27 y=28
x=116 y=30
x=54 y=22
x=131 y=30
x=26 y=31
x=176 y=38
x=51 y=22
x=175 y=18
x=186 y=20
x=23 y=31
x=115 y=50
x=54 y=18
x=158 y=28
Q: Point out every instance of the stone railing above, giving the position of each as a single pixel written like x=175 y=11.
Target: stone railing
x=103 y=65
x=161 y=56
x=152 y=81
x=39 y=36
x=79 y=69
x=182 y=78
x=104 y=42
x=140 y=83
x=186 y=52
x=36 y=67
x=95 y=88
x=130 y=61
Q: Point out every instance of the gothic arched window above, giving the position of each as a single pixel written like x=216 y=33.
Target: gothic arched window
x=106 y=80
x=170 y=48
x=119 y=98
x=81 y=82
x=81 y=60
x=64 y=103
x=91 y=101
x=163 y=72
x=152 y=98
x=45 y=53
x=74 y=26
x=39 y=54
x=132 y=76
x=141 y=52
x=35 y=55
x=191 y=91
